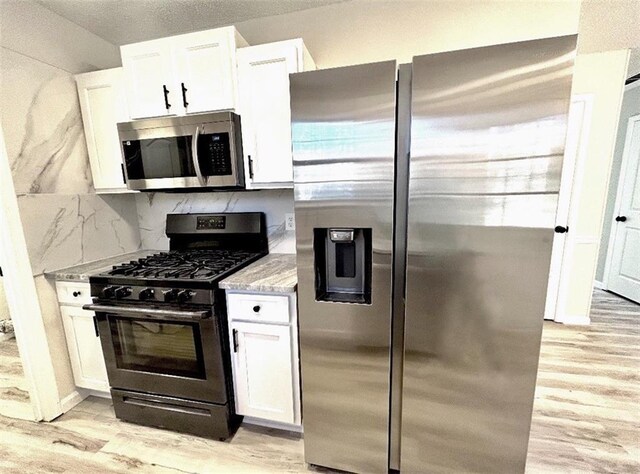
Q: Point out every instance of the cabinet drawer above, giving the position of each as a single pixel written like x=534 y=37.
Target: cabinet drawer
x=264 y=308
x=73 y=293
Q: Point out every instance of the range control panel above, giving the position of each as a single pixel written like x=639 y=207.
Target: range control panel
x=211 y=222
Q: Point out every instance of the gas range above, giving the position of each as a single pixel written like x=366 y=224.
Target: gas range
x=162 y=324
x=171 y=277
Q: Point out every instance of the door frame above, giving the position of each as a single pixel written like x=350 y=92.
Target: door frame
x=624 y=165
x=22 y=298
x=570 y=189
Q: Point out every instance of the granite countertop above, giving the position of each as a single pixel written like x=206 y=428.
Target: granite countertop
x=83 y=271
x=275 y=273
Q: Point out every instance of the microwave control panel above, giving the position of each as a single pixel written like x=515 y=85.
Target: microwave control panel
x=214 y=154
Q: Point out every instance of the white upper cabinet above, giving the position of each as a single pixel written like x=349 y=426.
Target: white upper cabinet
x=265 y=109
x=182 y=74
x=103 y=105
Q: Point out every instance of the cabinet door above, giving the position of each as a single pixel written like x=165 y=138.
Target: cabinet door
x=205 y=70
x=147 y=72
x=103 y=105
x=85 y=351
x=263 y=81
x=263 y=371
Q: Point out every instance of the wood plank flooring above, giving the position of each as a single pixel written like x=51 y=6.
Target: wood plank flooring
x=14 y=393
x=586 y=418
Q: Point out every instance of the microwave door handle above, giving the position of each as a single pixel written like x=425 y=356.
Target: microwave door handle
x=194 y=157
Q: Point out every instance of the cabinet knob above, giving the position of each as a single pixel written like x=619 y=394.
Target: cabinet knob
x=76 y=294
x=621 y=218
x=256 y=309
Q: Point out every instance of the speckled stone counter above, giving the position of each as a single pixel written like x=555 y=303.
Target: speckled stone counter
x=83 y=271
x=275 y=273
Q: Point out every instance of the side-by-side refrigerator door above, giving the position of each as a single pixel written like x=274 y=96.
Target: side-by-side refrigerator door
x=487 y=142
x=343 y=132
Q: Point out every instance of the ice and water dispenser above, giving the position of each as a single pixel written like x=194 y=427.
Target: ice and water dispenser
x=343 y=264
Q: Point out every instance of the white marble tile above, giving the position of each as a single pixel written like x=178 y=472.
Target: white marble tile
x=64 y=230
x=153 y=208
x=42 y=127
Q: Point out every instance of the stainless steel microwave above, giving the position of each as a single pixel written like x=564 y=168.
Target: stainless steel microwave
x=194 y=151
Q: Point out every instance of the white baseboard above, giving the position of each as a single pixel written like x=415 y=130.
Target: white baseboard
x=574 y=319
x=71 y=400
x=599 y=285
x=272 y=424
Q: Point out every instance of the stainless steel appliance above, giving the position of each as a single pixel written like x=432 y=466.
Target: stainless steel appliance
x=162 y=324
x=425 y=199
x=195 y=151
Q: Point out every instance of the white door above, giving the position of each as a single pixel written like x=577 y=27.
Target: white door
x=103 y=105
x=624 y=256
x=263 y=371
x=205 y=71
x=148 y=78
x=263 y=82
x=85 y=351
x=575 y=152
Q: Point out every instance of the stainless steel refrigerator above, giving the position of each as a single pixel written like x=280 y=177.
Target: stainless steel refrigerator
x=425 y=198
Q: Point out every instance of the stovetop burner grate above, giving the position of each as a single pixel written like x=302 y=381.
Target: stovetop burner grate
x=183 y=264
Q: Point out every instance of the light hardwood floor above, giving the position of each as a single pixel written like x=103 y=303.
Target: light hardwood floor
x=14 y=393
x=586 y=418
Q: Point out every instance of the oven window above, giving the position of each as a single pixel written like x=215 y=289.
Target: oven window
x=158 y=158
x=163 y=348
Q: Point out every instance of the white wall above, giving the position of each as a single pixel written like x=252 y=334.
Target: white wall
x=30 y=29
x=601 y=75
x=361 y=31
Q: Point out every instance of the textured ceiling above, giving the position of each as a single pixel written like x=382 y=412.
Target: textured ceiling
x=128 y=21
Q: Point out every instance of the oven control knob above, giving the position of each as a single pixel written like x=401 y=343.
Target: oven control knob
x=109 y=291
x=184 y=296
x=146 y=294
x=170 y=295
x=123 y=292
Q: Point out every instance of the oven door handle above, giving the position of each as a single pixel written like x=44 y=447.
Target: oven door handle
x=195 y=158
x=155 y=314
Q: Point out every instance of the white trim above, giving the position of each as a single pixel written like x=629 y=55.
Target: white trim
x=624 y=164
x=71 y=400
x=575 y=319
x=599 y=285
x=22 y=298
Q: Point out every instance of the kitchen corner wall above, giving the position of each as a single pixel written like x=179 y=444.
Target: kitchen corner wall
x=153 y=208
x=64 y=221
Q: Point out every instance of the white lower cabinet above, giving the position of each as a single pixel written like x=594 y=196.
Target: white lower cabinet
x=264 y=374
x=264 y=358
x=83 y=343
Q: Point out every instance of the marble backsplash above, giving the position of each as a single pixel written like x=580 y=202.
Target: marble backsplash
x=42 y=127
x=62 y=230
x=154 y=207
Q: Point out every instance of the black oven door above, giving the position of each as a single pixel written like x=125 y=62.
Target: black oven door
x=175 y=352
